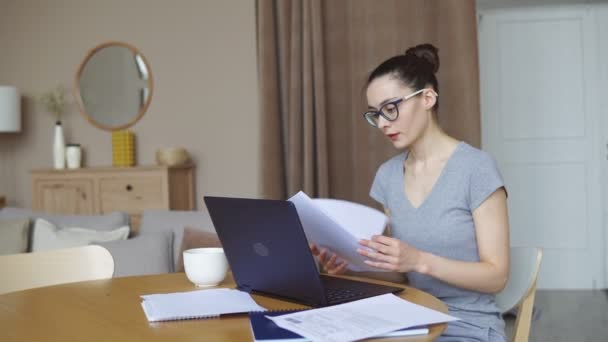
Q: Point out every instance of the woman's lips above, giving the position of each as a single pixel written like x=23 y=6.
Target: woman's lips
x=393 y=136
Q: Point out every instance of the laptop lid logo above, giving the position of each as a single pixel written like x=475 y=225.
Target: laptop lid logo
x=260 y=249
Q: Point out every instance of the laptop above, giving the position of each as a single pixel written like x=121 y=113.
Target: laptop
x=269 y=254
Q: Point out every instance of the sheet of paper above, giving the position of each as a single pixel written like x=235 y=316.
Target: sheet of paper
x=197 y=304
x=326 y=232
x=361 y=221
x=359 y=319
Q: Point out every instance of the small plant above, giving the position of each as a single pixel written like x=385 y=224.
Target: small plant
x=54 y=101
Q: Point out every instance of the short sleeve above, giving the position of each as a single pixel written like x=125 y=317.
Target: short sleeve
x=485 y=180
x=377 y=191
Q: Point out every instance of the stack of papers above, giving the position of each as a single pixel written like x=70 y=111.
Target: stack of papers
x=265 y=330
x=197 y=304
x=360 y=319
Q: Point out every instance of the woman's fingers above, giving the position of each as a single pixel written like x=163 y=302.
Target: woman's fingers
x=323 y=255
x=329 y=261
x=377 y=256
x=377 y=246
x=342 y=267
x=383 y=265
x=331 y=264
x=385 y=240
x=314 y=249
x=339 y=269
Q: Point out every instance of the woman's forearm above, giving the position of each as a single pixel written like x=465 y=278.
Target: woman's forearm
x=478 y=276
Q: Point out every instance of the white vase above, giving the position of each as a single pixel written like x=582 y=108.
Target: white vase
x=59 y=147
x=73 y=156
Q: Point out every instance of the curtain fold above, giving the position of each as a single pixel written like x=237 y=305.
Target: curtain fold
x=314 y=57
x=291 y=69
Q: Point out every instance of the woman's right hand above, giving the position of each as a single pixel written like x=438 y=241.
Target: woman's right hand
x=330 y=264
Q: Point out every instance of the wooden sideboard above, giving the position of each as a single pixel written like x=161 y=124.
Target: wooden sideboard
x=100 y=190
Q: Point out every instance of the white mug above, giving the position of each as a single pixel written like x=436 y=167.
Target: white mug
x=205 y=266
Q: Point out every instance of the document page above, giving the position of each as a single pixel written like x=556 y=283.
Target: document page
x=359 y=220
x=359 y=319
x=338 y=226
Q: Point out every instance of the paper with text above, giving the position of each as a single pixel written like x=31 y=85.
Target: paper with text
x=359 y=319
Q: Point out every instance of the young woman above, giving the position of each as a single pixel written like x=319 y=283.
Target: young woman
x=446 y=200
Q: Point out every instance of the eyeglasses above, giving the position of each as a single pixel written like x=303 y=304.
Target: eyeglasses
x=389 y=111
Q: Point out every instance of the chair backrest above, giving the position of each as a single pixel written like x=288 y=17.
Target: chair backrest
x=521 y=288
x=45 y=268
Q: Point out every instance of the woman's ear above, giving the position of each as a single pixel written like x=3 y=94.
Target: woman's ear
x=430 y=98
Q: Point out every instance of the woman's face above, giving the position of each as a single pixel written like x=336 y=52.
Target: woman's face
x=414 y=113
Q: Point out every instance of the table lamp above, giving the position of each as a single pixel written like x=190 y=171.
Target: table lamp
x=10 y=109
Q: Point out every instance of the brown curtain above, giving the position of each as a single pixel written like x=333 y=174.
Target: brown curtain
x=356 y=36
x=292 y=77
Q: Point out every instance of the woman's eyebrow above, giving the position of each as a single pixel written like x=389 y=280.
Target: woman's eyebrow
x=383 y=102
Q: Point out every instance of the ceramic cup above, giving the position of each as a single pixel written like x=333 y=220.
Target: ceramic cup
x=205 y=266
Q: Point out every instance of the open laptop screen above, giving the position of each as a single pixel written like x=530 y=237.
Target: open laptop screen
x=266 y=248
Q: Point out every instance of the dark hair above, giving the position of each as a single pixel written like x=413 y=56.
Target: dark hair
x=416 y=68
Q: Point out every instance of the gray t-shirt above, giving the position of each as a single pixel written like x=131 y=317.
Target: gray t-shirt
x=443 y=225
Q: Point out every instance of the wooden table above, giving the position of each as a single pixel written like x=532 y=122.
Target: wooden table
x=110 y=310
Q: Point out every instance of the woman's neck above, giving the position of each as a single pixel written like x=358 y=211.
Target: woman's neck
x=433 y=144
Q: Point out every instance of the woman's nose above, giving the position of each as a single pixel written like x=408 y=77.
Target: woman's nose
x=382 y=122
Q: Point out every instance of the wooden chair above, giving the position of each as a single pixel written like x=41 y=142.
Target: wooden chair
x=521 y=289
x=38 y=269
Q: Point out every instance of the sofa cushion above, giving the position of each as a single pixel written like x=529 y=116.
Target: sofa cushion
x=159 y=220
x=143 y=254
x=47 y=236
x=106 y=222
x=14 y=236
x=195 y=238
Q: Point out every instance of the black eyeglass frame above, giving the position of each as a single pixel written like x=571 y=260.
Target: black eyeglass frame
x=371 y=116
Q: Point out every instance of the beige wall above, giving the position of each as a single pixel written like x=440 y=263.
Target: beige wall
x=203 y=60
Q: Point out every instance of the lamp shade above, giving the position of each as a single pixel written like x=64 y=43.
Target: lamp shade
x=10 y=109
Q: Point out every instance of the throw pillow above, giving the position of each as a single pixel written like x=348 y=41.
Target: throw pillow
x=195 y=238
x=150 y=253
x=159 y=220
x=105 y=222
x=47 y=236
x=14 y=236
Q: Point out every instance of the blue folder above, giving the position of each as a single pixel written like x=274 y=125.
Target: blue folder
x=265 y=330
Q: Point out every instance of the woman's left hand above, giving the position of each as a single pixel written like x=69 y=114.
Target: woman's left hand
x=390 y=254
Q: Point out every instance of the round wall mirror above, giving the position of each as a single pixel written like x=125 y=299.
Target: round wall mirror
x=113 y=86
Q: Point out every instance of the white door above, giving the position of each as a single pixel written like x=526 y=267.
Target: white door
x=540 y=119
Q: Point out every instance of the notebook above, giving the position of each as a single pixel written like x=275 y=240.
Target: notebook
x=265 y=330
x=197 y=304
x=269 y=254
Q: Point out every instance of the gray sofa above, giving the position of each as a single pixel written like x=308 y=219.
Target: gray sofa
x=154 y=250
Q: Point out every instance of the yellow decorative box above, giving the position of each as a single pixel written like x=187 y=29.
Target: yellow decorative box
x=123 y=148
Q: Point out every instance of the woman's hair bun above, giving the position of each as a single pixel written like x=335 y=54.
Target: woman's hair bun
x=428 y=52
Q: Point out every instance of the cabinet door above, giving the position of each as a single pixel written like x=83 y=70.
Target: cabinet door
x=64 y=197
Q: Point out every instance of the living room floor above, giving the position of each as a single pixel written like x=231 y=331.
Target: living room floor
x=569 y=316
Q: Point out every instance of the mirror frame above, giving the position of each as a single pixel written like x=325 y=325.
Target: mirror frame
x=78 y=98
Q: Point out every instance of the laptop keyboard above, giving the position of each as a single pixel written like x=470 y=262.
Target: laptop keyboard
x=338 y=290
x=335 y=295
